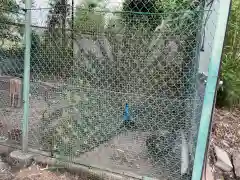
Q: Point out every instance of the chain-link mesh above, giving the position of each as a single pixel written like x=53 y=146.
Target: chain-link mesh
x=115 y=90
x=11 y=71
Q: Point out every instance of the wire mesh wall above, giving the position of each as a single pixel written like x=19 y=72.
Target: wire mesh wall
x=115 y=90
x=128 y=89
x=11 y=65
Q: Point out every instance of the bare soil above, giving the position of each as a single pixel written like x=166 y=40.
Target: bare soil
x=226 y=135
x=36 y=172
x=123 y=152
x=226 y=130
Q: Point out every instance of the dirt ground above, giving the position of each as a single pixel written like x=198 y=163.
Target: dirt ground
x=36 y=172
x=226 y=130
x=225 y=133
x=133 y=144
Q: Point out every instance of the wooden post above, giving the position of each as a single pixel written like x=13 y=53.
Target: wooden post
x=15 y=92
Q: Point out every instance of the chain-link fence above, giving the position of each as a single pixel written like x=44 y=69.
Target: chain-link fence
x=11 y=65
x=109 y=89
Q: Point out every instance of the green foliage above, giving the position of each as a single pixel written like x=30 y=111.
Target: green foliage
x=154 y=11
x=177 y=5
x=229 y=93
x=167 y=22
x=11 y=52
x=51 y=59
x=51 y=52
x=57 y=18
x=87 y=20
x=9 y=14
x=134 y=50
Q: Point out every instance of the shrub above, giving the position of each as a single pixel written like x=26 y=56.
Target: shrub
x=229 y=94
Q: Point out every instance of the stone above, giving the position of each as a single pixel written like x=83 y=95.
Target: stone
x=223 y=160
x=223 y=166
x=23 y=159
x=236 y=163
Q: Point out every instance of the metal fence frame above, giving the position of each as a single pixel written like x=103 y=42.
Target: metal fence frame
x=210 y=91
x=26 y=79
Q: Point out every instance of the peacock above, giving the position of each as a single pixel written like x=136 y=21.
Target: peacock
x=128 y=123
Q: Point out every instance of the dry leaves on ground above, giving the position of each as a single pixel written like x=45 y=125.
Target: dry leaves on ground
x=226 y=129
x=35 y=172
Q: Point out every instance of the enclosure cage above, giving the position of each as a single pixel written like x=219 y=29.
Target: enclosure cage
x=113 y=85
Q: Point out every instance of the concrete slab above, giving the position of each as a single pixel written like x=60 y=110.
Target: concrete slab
x=24 y=159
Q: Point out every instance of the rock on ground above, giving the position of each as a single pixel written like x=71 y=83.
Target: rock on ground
x=236 y=163
x=223 y=160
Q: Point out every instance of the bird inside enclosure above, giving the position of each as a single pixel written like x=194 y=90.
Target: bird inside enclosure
x=126 y=113
x=127 y=122
x=15 y=92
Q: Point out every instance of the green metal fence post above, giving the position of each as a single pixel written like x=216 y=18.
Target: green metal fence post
x=210 y=91
x=26 y=80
